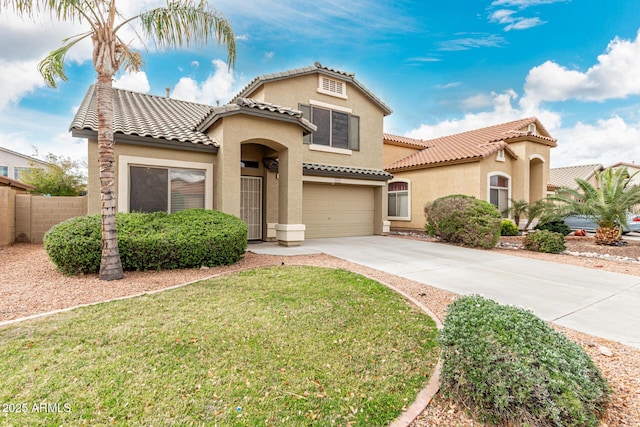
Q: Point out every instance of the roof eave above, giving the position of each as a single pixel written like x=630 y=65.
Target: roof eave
x=148 y=141
x=306 y=125
x=473 y=159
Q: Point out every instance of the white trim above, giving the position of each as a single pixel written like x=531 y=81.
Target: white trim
x=401 y=218
x=123 y=176
x=330 y=106
x=343 y=181
x=327 y=149
x=500 y=155
x=503 y=174
x=537 y=156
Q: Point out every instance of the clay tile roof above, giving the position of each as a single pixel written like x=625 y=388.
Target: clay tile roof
x=274 y=108
x=566 y=176
x=138 y=114
x=344 y=172
x=315 y=68
x=473 y=145
x=405 y=141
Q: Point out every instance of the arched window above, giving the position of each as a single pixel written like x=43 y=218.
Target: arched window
x=499 y=191
x=399 y=200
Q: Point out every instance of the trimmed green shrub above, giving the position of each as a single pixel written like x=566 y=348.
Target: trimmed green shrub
x=511 y=368
x=555 y=225
x=545 y=241
x=508 y=228
x=150 y=241
x=463 y=219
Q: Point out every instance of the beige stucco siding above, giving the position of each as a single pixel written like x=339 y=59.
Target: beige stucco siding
x=429 y=184
x=392 y=153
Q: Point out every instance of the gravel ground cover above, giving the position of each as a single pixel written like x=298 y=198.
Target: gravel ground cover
x=31 y=285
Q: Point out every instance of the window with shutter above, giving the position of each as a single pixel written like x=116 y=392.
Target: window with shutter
x=154 y=189
x=335 y=128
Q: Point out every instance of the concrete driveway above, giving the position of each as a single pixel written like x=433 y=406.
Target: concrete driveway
x=596 y=302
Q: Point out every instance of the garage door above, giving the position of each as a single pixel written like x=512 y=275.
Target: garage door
x=337 y=210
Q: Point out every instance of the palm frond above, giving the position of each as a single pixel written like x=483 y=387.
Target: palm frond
x=52 y=67
x=186 y=23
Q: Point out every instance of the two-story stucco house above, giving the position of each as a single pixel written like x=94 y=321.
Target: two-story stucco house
x=297 y=154
x=495 y=163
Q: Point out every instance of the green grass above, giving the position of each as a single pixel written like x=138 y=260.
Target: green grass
x=276 y=346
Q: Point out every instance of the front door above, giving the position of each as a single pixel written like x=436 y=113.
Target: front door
x=251 y=205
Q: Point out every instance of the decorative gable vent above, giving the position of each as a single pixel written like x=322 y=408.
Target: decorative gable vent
x=332 y=87
x=532 y=129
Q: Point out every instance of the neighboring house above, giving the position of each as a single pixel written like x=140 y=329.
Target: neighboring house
x=13 y=164
x=496 y=163
x=632 y=169
x=566 y=176
x=296 y=154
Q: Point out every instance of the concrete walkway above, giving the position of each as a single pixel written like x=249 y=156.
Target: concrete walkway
x=596 y=302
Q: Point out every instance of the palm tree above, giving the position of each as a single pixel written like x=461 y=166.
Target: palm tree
x=607 y=204
x=516 y=208
x=179 y=23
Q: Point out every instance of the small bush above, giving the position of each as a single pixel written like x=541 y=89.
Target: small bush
x=545 y=241
x=463 y=219
x=155 y=241
x=511 y=368
x=508 y=228
x=556 y=225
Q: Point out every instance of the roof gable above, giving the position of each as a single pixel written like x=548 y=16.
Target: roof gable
x=316 y=68
x=474 y=145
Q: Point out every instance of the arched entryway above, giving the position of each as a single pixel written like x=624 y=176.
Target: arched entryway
x=537 y=186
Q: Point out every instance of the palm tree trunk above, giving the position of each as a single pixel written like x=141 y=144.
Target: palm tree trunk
x=110 y=265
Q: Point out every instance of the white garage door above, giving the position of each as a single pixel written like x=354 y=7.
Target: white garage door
x=337 y=210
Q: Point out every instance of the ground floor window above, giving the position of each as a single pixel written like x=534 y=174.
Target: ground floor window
x=499 y=192
x=154 y=189
x=398 y=194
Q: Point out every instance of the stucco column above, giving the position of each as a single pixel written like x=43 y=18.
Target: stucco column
x=290 y=229
x=382 y=225
x=227 y=177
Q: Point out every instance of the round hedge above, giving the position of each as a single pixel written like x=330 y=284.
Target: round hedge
x=150 y=241
x=464 y=219
x=511 y=368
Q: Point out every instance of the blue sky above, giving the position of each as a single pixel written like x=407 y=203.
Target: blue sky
x=443 y=67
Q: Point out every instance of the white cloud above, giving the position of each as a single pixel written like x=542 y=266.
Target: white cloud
x=481 y=100
x=269 y=55
x=614 y=76
x=525 y=3
x=502 y=111
x=217 y=87
x=606 y=141
x=18 y=78
x=506 y=16
x=448 y=85
x=135 y=81
x=473 y=41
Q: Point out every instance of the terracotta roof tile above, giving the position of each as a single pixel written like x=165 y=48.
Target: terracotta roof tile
x=315 y=68
x=405 y=141
x=138 y=114
x=473 y=145
x=566 y=176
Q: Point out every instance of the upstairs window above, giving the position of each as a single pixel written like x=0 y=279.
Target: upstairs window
x=500 y=155
x=18 y=172
x=332 y=87
x=336 y=129
x=4 y=171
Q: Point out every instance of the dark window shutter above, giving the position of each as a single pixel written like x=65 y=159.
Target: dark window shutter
x=354 y=133
x=306 y=113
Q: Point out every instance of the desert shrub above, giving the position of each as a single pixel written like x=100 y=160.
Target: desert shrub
x=555 y=225
x=511 y=368
x=463 y=219
x=545 y=241
x=150 y=241
x=508 y=228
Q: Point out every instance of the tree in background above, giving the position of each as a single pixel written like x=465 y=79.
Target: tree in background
x=607 y=204
x=179 y=23
x=60 y=178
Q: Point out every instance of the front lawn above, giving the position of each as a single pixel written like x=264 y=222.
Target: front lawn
x=273 y=346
